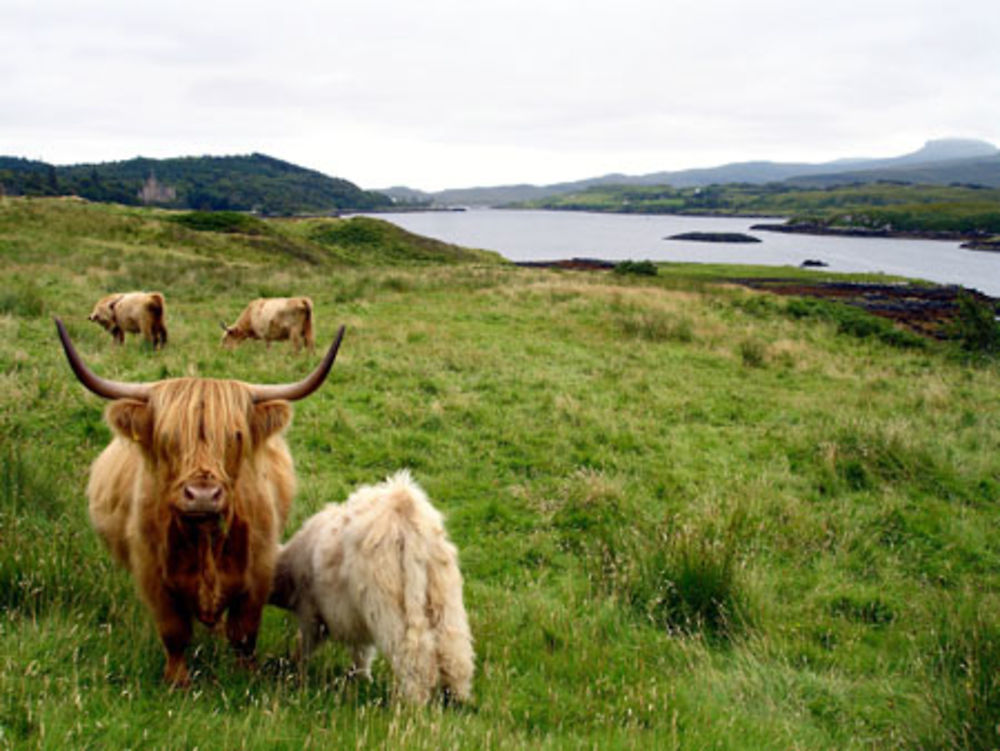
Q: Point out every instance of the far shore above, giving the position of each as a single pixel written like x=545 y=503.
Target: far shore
x=972 y=241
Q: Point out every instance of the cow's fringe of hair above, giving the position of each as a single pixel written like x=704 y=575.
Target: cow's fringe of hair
x=199 y=415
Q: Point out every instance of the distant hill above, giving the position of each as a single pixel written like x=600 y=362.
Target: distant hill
x=243 y=183
x=966 y=161
x=984 y=172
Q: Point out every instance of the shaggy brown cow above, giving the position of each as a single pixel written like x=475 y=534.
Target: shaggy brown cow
x=191 y=496
x=273 y=319
x=134 y=312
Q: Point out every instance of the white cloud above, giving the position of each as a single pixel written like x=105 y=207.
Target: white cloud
x=445 y=93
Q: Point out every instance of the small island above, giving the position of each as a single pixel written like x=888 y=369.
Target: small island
x=715 y=237
x=991 y=244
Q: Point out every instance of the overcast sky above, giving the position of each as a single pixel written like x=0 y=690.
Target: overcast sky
x=437 y=94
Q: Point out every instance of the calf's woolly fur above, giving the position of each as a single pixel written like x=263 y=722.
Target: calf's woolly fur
x=378 y=571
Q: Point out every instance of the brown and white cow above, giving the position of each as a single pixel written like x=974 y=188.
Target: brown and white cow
x=274 y=319
x=133 y=312
x=191 y=496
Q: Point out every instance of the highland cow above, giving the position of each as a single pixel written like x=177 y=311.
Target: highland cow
x=379 y=571
x=273 y=319
x=133 y=312
x=191 y=496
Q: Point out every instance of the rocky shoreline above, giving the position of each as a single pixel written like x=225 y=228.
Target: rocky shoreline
x=972 y=241
x=928 y=310
x=992 y=245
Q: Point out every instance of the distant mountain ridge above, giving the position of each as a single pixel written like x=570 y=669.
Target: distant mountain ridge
x=941 y=161
x=256 y=182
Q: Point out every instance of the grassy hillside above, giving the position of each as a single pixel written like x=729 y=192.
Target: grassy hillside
x=244 y=183
x=983 y=171
x=689 y=515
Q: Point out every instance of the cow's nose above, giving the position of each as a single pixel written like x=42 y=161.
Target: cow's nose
x=202 y=498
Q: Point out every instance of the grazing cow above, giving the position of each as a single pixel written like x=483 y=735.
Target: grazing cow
x=379 y=571
x=191 y=496
x=273 y=319
x=134 y=312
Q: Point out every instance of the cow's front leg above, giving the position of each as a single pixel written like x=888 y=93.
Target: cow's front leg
x=242 y=624
x=175 y=633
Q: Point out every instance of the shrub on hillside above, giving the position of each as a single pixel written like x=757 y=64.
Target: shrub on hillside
x=976 y=327
x=640 y=268
x=221 y=221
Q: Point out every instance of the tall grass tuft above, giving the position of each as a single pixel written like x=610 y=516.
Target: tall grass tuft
x=657 y=326
x=686 y=582
x=965 y=667
x=678 y=578
x=39 y=560
x=24 y=485
x=24 y=300
x=753 y=353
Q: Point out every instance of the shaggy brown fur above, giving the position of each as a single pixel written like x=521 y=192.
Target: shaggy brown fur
x=135 y=313
x=379 y=571
x=274 y=319
x=191 y=496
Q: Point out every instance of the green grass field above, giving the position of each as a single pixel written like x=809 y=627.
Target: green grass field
x=686 y=518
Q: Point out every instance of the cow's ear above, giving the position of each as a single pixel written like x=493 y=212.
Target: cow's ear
x=270 y=418
x=131 y=419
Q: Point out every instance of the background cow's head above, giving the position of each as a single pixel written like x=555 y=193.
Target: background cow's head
x=197 y=433
x=104 y=311
x=232 y=335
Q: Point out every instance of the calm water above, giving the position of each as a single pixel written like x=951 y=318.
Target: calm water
x=554 y=235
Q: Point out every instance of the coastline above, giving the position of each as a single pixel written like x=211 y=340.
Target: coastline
x=971 y=241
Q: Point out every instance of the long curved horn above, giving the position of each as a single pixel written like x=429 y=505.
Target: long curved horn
x=100 y=386
x=293 y=391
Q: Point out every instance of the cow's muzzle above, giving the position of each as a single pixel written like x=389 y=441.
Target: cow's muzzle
x=202 y=499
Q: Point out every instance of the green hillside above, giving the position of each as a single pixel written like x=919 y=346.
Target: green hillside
x=241 y=183
x=688 y=515
x=963 y=210
x=48 y=229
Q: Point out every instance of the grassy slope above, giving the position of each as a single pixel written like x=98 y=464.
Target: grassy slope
x=908 y=208
x=606 y=450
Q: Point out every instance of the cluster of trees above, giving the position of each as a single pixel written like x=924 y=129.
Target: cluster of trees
x=239 y=183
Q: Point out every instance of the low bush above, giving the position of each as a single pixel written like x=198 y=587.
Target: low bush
x=232 y=222
x=640 y=268
x=976 y=327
